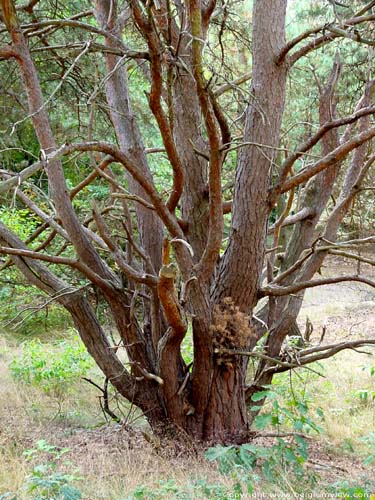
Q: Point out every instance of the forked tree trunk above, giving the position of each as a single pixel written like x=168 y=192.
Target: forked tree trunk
x=214 y=294
x=209 y=402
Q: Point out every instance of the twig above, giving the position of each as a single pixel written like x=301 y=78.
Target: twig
x=105 y=405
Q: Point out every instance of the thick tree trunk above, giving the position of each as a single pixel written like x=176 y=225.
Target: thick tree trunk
x=226 y=418
x=244 y=257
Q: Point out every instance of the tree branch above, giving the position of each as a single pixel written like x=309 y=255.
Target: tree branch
x=278 y=291
x=233 y=84
x=318 y=353
x=209 y=258
x=329 y=160
x=325 y=38
x=118 y=255
x=286 y=167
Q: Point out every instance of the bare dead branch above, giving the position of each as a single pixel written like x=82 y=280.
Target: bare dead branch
x=303 y=214
x=232 y=85
x=118 y=255
x=146 y=374
x=323 y=352
x=17 y=179
x=53 y=259
x=355 y=37
x=33 y=28
x=94 y=47
x=133 y=197
x=284 y=365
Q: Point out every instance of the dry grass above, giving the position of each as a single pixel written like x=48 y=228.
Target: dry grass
x=347 y=416
x=111 y=461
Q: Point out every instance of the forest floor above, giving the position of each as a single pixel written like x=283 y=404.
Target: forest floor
x=113 y=462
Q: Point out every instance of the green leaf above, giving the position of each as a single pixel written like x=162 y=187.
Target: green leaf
x=258 y=396
x=369 y=460
x=247 y=457
x=261 y=421
x=290 y=455
x=217 y=453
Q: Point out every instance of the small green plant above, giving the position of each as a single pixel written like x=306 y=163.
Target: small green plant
x=285 y=410
x=365 y=396
x=250 y=463
x=369 y=441
x=197 y=489
x=53 y=369
x=46 y=482
x=351 y=491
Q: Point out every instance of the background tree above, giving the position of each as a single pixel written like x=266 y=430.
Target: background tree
x=224 y=249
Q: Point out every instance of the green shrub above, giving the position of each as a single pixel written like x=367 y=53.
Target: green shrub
x=369 y=441
x=46 y=482
x=53 y=368
x=193 y=490
x=351 y=491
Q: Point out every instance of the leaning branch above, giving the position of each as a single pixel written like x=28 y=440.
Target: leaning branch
x=311 y=142
x=318 y=353
x=233 y=84
x=54 y=259
x=278 y=291
x=327 y=161
x=326 y=37
x=17 y=179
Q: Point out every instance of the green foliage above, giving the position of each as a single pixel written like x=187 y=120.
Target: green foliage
x=46 y=482
x=21 y=221
x=369 y=441
x=53 y=369
x=285 y=409
x=351 y=491
x=193 y=490
x=366 y=396
x=187 y=348
x=249 y=463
